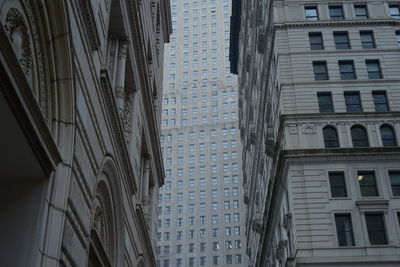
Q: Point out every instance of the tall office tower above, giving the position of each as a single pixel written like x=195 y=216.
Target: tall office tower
x=320 y=120
x=201 y=211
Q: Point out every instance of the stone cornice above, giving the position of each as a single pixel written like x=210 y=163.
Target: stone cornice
x=336 y=23
x=341 y=115
x=26 y=108
x=116 y=124
x=145 y=85
x=90 y=24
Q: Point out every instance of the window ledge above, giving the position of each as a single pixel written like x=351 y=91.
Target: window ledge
x=372 y=204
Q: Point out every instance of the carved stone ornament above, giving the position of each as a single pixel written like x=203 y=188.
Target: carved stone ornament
x=21 y=26
x=146 y=201
x=287 y=220
x=99 y=225
x=279 y=250
x=126 y=116
x=18 y=33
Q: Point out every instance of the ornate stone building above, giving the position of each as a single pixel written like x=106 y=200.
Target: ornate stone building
x=80 y=85
x=319 y=115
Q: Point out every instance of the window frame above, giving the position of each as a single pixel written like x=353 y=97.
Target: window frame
x=365 y=7
x=320 y=76
x=316 y=45
x=383 y=230
x=372 y=73
x=339 y=231
x=311 y=7
x=347 y=75
x=373 y=185
x=340 y=44
x=350 y=105
x=377 y=103
x=372 y=42
x=335 y=17
x=331 y=175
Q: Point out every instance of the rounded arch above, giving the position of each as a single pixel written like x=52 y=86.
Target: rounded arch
x=359 y=136
x=107 y=216
x=388 y=135
x=331 y=138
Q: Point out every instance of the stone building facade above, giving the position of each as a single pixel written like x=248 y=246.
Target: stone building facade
x=201 y=212
x=319 y=115
x=80 y=85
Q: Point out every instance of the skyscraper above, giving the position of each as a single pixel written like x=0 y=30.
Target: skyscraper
x=320 y=89
x=200 y=213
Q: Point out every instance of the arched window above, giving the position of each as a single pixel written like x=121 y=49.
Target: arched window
x=330 y=137
x=388 y=136
x=359 y=136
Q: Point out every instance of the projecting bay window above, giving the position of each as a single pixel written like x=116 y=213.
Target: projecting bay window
x=376 y=228
x=344 y=230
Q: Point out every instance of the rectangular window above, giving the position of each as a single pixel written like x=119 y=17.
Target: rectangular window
x=344 y=230
x=336 y=12
x=361 y=11
x=398 y=38
x=341 y=40
x=394 y=177
x=320 y=70
x=380 y=101
x=367 y=39
x=394 y=11
x=367 y=183
x=346 y=69
x=325 y=102
x=373 y=69
x=376 y=229
x=338 y=184
x=353 y=101
x=316 y=41
x=311 y=13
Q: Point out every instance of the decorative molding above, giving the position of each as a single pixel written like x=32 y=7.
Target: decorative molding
x=335 y=23
x=287 y=221
x=90 y=24
x=117 y=126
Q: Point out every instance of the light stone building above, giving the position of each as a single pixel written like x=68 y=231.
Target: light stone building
x=201 y=212
x=80 y=93
x=319 y=90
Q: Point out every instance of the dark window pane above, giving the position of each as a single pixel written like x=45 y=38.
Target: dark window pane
x=394 y=177
x=353 y=102
x=320 y=71
x=388 y=136
x=325 y=102
x=361 y=12
x=330 y=137
x=367 y=183
x=373 y=69
x=347 y=70
x=359 y=136
x=338 y=185
x=344 y=230
x=376 y=229
x=341 y=40
x=336 y=12
x=380 y=101
x=367 y=40
x=316 y=42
